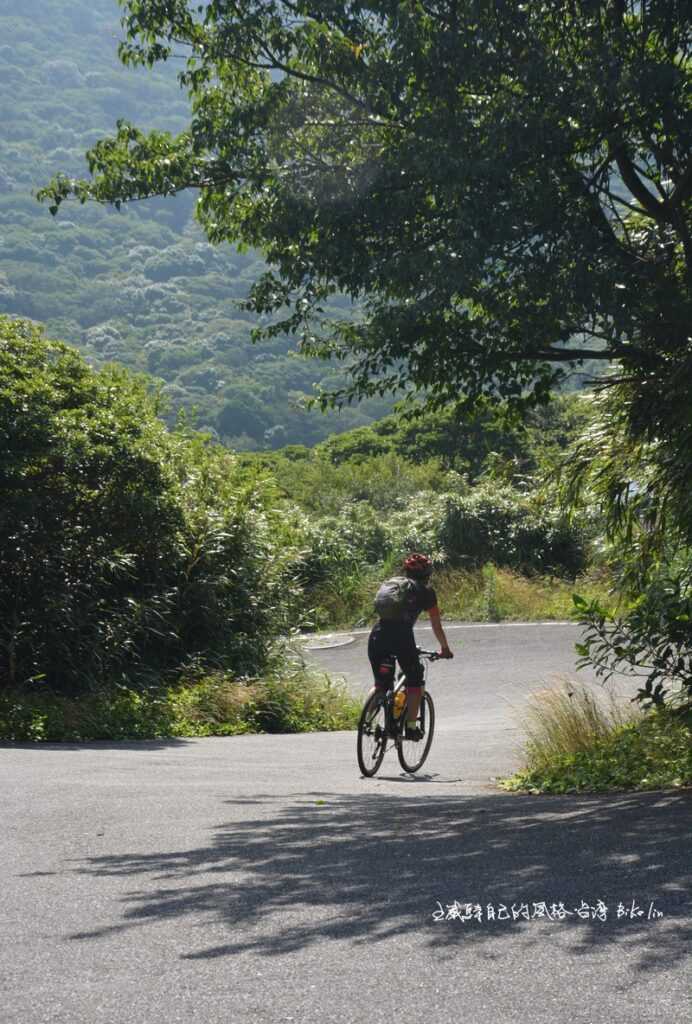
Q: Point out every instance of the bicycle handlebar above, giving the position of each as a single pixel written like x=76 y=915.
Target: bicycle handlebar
x=430 y=655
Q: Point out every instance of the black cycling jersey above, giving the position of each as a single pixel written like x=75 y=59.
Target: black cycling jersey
x=422 y=599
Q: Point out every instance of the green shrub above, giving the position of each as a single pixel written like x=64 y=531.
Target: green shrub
x=339 y=547
x=472 y=446
x=38 y=714
x=570 y=719
x=323 y=488
x=647 y=756
x=289 y=699
x=346 y=599
x=576 y=744
x=302 y=703
x=126 y=550
x=503 y=526
x=490 y=523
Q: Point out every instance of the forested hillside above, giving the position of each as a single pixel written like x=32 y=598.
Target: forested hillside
x=140 y=286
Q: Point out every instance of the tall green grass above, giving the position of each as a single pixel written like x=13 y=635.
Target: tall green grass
x=571 y=718
x=488 y=594
x=578 y=740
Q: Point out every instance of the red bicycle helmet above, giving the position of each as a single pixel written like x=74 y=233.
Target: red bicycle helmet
x=418 y=565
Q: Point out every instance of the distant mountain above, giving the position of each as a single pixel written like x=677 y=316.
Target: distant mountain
x=142 y=286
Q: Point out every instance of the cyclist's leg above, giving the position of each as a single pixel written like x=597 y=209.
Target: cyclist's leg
x=410 y=664
x=382 y=660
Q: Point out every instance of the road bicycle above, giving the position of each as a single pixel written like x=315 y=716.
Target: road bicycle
x=381 y=723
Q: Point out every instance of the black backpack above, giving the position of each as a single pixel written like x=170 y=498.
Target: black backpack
x=394 y=598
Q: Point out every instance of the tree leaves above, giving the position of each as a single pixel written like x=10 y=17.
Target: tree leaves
x=651 y=638
x=430 y=164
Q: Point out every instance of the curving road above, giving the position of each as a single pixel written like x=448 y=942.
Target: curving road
x=259 y=880
x=479 y=696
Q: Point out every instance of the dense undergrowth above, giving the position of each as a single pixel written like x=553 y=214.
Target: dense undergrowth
x=292 y=698
x=476 y=496
x=580 y=740
x=655 y=753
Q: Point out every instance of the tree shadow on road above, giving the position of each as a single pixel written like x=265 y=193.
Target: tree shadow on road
x=362 y=869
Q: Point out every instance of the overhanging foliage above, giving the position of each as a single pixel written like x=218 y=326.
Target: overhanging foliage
x=505 y=186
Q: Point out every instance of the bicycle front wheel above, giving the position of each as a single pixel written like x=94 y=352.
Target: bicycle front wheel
x=372 y=735
x=412 y=753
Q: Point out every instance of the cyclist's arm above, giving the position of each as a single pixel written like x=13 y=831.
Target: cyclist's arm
x=436 y=623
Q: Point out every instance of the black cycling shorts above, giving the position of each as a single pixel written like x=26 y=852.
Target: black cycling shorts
x=390 y=641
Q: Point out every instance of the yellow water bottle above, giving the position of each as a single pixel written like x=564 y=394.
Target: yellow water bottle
x=399 y=701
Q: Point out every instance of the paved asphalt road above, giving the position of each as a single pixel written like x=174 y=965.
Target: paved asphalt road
x=260 y=879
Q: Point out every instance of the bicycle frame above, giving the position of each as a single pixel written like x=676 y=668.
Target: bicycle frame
x=394 y=723
x=393 y=728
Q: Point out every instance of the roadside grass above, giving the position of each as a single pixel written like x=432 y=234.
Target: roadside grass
x=345 y=601
x=489 y=594
x=294 y=699
x=500 y=595
x=578 y=743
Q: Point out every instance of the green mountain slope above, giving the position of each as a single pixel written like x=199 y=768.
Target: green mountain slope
x=141 y=286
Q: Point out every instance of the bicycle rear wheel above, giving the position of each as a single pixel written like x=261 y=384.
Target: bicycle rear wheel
x=412 y=753
x=372 y=735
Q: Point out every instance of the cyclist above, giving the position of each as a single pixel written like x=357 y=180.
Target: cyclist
x=400 y=601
